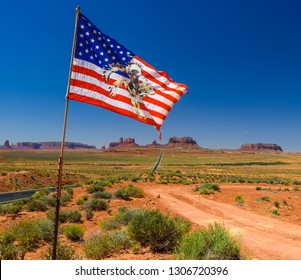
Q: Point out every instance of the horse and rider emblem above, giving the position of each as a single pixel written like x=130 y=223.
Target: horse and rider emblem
x=136 y=87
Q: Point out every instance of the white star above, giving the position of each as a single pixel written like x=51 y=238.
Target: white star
x=94 y=31
x=82 y=26
x=102 y=53
x=97 y=47
x=109 y=51
x=121 y=52
x=106 y=60
x=113 y=57
x=104 y=45
x=89 y=24
x=87 y=51
x=123 y=58
x=92 y=40
x=81 y=44
x=80 y=53
x=88 y=33
x=81 y=35
x=91 y=57
x=118 y=47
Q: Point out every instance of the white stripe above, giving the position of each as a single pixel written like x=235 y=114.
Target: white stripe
x=120 y=91
x=158 y=77
x=112 y=102
x=116 y=76
x=92 y=80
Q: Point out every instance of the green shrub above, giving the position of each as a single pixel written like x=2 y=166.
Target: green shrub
x=40 y=204
x=152 y=228
x=103 y=245
x=103 y=194
x=123 y=217
x=277 y=204
x=133 y=191
x=74 y=232
x=80 y=202
x=265 y=198
x=65 y=216
x=98 y=186
x=97 y=204
x=8 y=250
x=13 y=208
x=121 y=193
x=213 y=243
x=239 y=200
x=207 y=188
x=64 y=252
x=89 y=214
x=26 y=234
x=275 y=213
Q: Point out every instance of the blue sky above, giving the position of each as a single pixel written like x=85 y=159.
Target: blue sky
x=241 y=61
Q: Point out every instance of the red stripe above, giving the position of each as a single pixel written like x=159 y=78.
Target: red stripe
x=99 y=103
x=163 y=74
x=118 y=97
x=93 y=74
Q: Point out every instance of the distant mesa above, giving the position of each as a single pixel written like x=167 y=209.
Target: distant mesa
x=128 y=142
x=174 y=142
x=49 y=146
x=182 y=142
x=261 y=147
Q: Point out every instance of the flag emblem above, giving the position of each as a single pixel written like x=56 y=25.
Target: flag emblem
x=106 y=74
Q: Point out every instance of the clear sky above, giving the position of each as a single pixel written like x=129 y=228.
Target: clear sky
x=240 y=59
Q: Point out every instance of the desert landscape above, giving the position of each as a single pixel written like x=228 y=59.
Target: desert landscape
x=257 y=194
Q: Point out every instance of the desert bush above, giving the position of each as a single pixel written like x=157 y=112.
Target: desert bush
x=265 y=198
x=207 y=188
x=80 y=201
x=121 y=193
x=103 y=245
x=8 y=249
x=64 y=252
x=98 y=186
x=89 y=214
x=103 y=194
x=239 y=200
x=152 y=228
x=97 y=204
x=65 y=216
x=275 y=213
x=123 y=217
x=213 y=243
x=23 y=236
x=40 y=204
x=277 y=204
x=13 y=208
x=74 y=232
x=133 y=191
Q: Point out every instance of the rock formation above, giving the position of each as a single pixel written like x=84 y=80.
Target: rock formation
x=182 y=142
x=50 y=145
x=128 y=142
x=261 y=147
x=6 y=145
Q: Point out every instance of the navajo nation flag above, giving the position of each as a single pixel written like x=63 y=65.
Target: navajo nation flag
x=106 y=74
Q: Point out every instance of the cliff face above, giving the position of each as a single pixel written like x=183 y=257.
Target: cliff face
x=50 y=145
x=182 y=142
x=261 y=147
x=128 y=142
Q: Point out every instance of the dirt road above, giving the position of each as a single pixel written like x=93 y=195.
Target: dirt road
x=265 y=238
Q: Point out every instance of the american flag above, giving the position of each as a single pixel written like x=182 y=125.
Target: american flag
x=106 y=74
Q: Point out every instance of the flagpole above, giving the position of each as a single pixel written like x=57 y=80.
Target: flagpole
x=61 y=157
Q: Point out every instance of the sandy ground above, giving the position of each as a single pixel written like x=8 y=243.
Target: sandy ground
x=262 y=235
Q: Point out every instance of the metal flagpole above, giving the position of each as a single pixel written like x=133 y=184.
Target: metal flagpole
x=61 y=157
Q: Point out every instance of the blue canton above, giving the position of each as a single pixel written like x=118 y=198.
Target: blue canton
x=96 y=47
